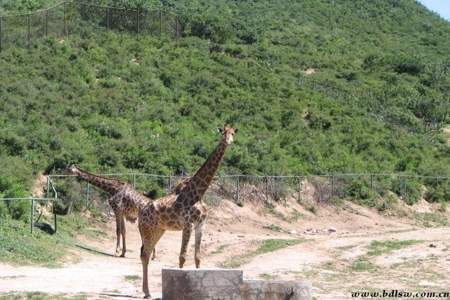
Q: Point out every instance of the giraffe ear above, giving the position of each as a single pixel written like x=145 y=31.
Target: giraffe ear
x=236 y=130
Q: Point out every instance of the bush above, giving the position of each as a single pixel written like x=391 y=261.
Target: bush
x=438 y=193
x=408 y=188
x=3 y=210
x=20 y=210
x=359 y=190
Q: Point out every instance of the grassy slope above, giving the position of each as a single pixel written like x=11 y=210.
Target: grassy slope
x=382 y=74
x=19 y=247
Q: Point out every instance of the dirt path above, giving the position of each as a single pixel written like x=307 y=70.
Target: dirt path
x=323 y=258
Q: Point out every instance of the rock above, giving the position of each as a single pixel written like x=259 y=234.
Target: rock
x=269 y=289
x=432 y=245
x=197 y=284
x=331 y=229
x=293 y=232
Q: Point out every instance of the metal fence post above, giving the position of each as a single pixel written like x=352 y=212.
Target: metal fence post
x=137 y=20
x=299 y=196
x=47 y=193
x=46 y=23
x=1 y=33
x=29 y=30
x=32 y=214
x=64 y=21
x=54 y=215
x=237 y=189
x=267 y=187
x=170 y=183
x=160 y=22
x=403 y=187
x=108 y=18
x=177 y=27
x=332 y=186
x=371 y=182
x=88 y=191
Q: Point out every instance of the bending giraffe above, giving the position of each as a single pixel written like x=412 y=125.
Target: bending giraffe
x=181 y=210
x=124 y=200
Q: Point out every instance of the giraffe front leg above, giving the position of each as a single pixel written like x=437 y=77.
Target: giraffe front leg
x=145 y=255
x=118 y=232
x=124 y=244
x=184 y=243
x=198 y=241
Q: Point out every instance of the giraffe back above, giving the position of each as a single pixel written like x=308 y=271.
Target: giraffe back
x=129 y=202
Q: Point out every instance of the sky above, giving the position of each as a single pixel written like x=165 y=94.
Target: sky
x=442 y=7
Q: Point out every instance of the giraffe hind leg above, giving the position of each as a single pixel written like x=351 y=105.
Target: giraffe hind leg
x=118 y=232
x=124 y=244
x=184 y=243
x=198 y=241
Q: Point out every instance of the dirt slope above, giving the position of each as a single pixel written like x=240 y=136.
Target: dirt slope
x=335 y=239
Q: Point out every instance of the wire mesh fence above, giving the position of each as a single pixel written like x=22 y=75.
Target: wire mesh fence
x=75 y=17
x=34 y=203
x=67 y=193
x=268 y=189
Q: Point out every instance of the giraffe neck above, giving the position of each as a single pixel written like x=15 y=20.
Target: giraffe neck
x=109 y=185
x=199 y=183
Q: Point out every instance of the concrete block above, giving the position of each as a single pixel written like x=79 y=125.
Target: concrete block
x=275 y=290
x=201 y=284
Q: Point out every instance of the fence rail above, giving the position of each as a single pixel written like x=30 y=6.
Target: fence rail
x=33 y=200
x=69 y=17
x=314 y=188
x=71 y=192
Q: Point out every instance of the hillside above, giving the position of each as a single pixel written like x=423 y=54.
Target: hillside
x=313 y=87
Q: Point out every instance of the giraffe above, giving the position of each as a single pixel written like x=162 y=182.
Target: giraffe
x=182 y=210
x=124 y=200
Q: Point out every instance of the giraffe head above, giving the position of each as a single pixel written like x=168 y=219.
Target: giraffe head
x=72 y=169
x=228 y=133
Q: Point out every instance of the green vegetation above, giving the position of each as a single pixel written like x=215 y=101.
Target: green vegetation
x=431 y=219
x=39 y=296
x=378 y=248
x=219 y=249
x=267 y=276
x=374 y=97
x=362 y=264
x=42 y=248
x=276 y=228
x=265 y=246
x=132 y=278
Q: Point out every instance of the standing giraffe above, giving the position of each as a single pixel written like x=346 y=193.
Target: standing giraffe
x=124 y=200
x=183 y=210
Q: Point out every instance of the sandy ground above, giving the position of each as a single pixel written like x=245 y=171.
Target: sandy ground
x=334 y=238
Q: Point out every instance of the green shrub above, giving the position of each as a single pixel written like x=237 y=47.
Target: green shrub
x=4 y=212
x=359 y=190
x=408 y=188
x=20 y=210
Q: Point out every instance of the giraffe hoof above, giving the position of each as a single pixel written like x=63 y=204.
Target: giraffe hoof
x=147 y=297
x=122 y=255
